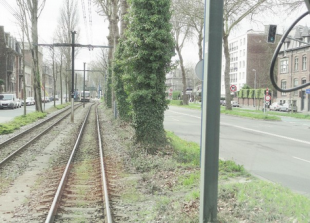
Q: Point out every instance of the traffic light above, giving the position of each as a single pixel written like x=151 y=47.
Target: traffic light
x=272 y=33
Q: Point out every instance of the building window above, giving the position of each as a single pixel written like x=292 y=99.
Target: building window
x=303 y=81
x=304 y=62
x=283 y=86
x=296 y=64
x=283 y=66
x=295 y=85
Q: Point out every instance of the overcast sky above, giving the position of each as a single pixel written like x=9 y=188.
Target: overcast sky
x=49 y=17
x=48 y=23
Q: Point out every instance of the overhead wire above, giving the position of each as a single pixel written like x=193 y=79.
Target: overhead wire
x=85 y=20
x=90 y=19
x=90 y=25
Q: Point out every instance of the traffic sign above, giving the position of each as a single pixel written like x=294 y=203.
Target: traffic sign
x=233 y=88
x=267 y=97
x=307 y=91
x=199 y=70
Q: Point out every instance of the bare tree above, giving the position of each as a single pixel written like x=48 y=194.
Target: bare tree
x=182 y=32
x=235 y=12
x=31 y=10
x=192 y=12
x=68 y=22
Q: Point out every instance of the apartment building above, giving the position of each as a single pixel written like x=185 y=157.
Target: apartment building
x=294 y=68
x=250 y=57
x=10 y=63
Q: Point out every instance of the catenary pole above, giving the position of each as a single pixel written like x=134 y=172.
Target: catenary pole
x=213 y=33
x=73 y=45
x=84 y=87
x=72 y=85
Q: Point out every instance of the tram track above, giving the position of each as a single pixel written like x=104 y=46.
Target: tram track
x=82 y=194
x=14 y=145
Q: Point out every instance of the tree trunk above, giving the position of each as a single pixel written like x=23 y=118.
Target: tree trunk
x=200 y=39
x=184 y=97
x=124 y=9
x=226 y=74
x=35 y=57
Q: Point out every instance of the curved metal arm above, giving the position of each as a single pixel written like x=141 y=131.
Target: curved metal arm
x=274 y=57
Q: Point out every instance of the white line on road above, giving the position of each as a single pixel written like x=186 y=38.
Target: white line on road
x=252 y=130
x=186 y=114
x=301 y=159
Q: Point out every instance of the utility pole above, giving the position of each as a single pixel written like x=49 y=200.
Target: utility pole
x=73 y=45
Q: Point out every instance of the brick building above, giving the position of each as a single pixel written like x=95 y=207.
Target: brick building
x=294 y=68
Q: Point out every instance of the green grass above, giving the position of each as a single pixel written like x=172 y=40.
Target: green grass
x=255 y=114
x=254 y=199
x=19 y=121
x=247 y=114
x=185 y=152
x=262 y=201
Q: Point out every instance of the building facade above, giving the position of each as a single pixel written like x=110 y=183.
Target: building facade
x=294 y=68
x=10 y=63
x=250 y=56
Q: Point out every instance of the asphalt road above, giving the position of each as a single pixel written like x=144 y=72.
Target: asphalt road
x=9 y=114
x=278 y=151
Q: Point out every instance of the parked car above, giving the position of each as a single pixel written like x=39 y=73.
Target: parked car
x=30 y=101
x=234 y=104
x=8 y=100
x=275 y=106
x=46 y=99
x=287 y=108
x=224 y=103
x=18 y=103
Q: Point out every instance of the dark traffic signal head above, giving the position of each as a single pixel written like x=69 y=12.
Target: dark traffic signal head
x=272 y=33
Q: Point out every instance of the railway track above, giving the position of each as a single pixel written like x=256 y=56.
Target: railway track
x=82 y=194
x=14 y=145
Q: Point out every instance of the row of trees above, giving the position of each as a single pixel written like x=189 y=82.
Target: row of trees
x=150 y=33
x=140 y=61
x=60 y=58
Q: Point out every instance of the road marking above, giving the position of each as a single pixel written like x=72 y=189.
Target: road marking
x=267 y=133
x=301 y=159
x=253 y=130
x=186 y=114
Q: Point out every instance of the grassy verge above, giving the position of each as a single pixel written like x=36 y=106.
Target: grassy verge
x=255 y=114
x=253 y=199
x=19 y=121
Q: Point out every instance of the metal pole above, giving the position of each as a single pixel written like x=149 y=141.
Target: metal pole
x=72 y=86
x=254 y=85
x=84 y=87
x=44 y=89
x=210 y=126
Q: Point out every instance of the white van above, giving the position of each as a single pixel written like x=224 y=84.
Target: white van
x=8 y=100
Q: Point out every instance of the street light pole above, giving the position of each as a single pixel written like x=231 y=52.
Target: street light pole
x=254 y=85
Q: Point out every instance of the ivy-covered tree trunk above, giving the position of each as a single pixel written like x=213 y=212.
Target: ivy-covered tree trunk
x=149 y=47
x=120 y=93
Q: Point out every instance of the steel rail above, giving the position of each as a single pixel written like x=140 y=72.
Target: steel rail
x=33 y=139
x=104 y=179
x=51 y=214
x=35 y=126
